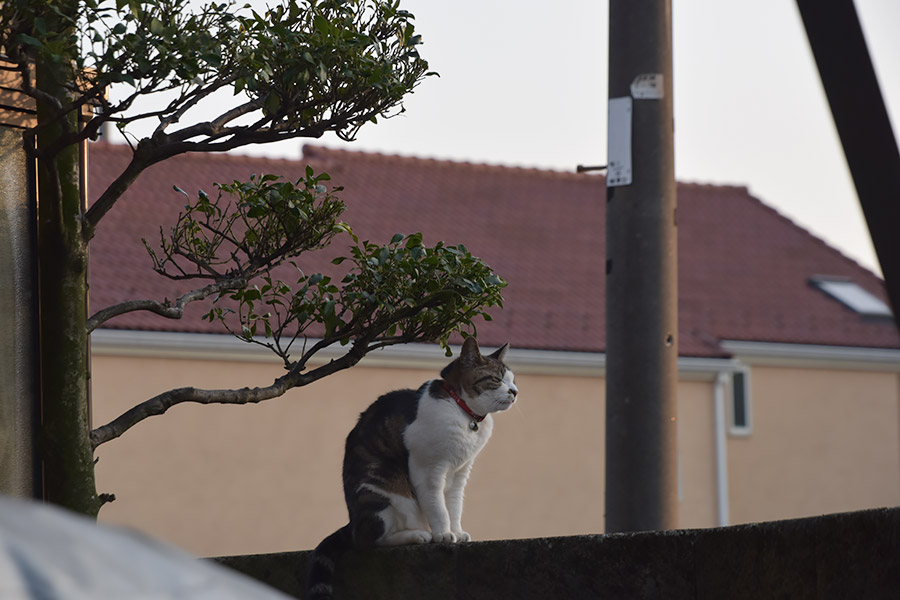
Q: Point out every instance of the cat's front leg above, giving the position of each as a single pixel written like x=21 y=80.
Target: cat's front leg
x=453 y=496
x=428 y=481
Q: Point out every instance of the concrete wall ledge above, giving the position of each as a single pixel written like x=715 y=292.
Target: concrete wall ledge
x=841 y=556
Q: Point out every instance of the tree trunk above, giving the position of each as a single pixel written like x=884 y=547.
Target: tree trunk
x=65 y=449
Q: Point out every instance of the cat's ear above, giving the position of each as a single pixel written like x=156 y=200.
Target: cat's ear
x=470 y=354
x=501 y=352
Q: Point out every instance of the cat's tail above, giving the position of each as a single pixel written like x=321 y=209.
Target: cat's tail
x=324 y=559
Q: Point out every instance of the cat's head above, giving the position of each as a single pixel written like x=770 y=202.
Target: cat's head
x=484 y=382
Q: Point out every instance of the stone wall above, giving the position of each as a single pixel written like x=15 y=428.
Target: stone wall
x=842 y=556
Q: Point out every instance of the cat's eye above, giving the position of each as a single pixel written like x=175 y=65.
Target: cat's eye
x=493 y=379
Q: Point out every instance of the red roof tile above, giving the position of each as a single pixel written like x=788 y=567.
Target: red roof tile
x=744 y=269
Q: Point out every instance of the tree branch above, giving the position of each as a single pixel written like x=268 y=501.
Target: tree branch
x=164 y=309
x=161 y=403
x=217 y=126
x=112 y=193
x=178 y=107
x=149 y=153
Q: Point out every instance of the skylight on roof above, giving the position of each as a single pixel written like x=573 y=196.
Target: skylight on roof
x=852 y=296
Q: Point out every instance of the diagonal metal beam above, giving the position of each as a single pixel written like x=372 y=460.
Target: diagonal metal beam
x=862 y=122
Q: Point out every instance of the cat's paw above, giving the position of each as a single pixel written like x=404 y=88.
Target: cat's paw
x=406 y=536
x=419 y=536
x=443 y=537
x=462 y=536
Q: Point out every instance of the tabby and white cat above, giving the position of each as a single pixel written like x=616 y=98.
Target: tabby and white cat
x=407 y=461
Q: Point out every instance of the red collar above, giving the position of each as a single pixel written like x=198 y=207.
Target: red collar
x=462 y=404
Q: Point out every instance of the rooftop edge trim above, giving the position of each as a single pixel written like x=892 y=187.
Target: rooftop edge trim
x=206 y=346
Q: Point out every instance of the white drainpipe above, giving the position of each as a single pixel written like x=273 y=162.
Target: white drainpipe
x=721 y=450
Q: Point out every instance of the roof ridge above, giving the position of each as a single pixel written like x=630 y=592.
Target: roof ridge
x=323 y=152
x=227 y=156
x=708 y=185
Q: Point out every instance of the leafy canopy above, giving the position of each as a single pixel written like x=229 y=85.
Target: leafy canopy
x=389 y=293
x=300 y=68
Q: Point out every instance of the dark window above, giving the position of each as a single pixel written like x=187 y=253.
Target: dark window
x=740 y=410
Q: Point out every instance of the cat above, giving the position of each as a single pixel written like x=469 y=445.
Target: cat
x=407 y=460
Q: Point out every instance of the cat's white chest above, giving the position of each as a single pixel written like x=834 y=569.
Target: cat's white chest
x=442 y=432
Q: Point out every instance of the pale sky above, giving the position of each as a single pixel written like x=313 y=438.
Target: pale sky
x=524 y=83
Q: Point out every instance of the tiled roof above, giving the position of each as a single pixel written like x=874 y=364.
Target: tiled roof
x=744 y=269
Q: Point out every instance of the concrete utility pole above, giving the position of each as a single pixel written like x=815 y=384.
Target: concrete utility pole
x=642 y=271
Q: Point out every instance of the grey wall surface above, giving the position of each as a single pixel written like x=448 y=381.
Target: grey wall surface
x=18 y=388
x=833 y=557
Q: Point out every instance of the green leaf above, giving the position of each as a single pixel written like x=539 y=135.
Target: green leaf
x=414 y=240
x=272 y=104
x=30 y=41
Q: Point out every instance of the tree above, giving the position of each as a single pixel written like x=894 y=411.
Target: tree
x=298 y=70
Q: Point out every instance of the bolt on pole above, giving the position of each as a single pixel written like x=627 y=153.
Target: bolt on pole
x=641 y=272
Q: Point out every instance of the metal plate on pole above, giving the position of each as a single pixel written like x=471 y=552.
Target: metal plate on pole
x=619 y=142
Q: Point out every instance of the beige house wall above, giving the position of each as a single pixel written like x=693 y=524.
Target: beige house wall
x=696 y=455
x=823 y=440
x=263 y=478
